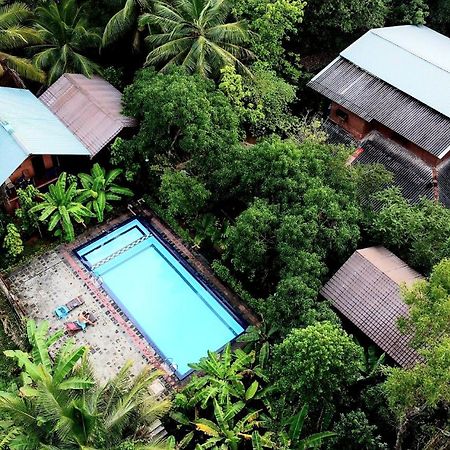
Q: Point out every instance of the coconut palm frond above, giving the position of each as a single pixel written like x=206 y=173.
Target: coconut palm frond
x=23 y=66
x=121 y=22
x=65 y=37
x=196 y=36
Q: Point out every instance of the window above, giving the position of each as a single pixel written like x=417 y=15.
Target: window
x=342 y=115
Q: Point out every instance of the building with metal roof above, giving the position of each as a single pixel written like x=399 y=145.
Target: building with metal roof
x=89 y=107
x=366 y=290
x=413 y=59
x=28 y=128
x=390 y=90
x=375 y=104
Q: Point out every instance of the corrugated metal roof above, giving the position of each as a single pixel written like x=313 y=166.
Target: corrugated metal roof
x=29 y=128
x=414 y=59
x=373 y=99
x=411 y=174
x=366 y=290
x=89 y=107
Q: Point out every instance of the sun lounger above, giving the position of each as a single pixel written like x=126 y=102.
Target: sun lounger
x=77 y=326
x=63 y=311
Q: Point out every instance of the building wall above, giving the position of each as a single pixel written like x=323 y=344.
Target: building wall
x=352 y=123
x=430 y=159
x=26 y=168
x=359 y=128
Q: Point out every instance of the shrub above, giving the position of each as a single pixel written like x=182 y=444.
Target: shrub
x=13 y=242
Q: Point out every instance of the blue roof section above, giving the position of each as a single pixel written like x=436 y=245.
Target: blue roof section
x=28 y=127
x=413 y=59
x=11 y=155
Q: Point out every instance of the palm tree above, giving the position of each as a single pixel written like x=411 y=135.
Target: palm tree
x=124 y=21
x=99 y=189
x=14 y=35
x=195 y=35
x=63 y=30
x=59 y=206
x=60 y=405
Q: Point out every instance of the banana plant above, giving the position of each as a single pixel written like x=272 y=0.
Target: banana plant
x=223 y=378
x=99 y=189
x=59 y=207
x=290 y=436
x=230 y=431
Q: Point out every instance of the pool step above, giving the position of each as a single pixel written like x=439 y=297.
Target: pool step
x=120 y=252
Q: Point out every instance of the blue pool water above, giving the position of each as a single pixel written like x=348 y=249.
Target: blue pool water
x=160 y=294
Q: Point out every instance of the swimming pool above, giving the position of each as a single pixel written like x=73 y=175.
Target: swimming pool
x=160 y=293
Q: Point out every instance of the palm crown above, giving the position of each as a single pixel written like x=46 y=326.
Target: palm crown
x=195 y=35
x=65 y=37
x=15 y=35
x=61 y=406
x=124 y=21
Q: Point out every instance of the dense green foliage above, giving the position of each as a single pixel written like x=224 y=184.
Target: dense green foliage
x=425 y=388
x=197 y=128
x=315 y=364
x=353 y=432
x=15 y=35
x=13 y=242
x=58 y=404
x=231 y=404
x=223 y=153
x=273 y=23
x=262 y=101
x=417 y=233
x=65 y=37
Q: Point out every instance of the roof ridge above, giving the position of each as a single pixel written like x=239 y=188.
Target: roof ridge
x=373 y=31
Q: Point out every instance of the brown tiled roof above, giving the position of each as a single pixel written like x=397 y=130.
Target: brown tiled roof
x=90 y=107
x=366 y=290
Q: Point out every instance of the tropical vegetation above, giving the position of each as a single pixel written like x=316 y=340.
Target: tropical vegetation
x=195 y=35
x=15 y=35
x=59 y=207
x=58 y=403
x=99 y=190
x=65 y=38
x=231 y=152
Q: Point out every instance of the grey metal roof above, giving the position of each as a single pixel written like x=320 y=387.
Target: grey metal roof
x=366 y=290
x=90 y=107
x=27 y=127
x=336 y=135
x=411 y=174
x=414 y=59
x=373 y=99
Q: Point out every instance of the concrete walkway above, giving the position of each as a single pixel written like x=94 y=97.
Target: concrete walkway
x=55 y=278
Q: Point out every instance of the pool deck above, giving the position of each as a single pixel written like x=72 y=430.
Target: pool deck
x=58 y=276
